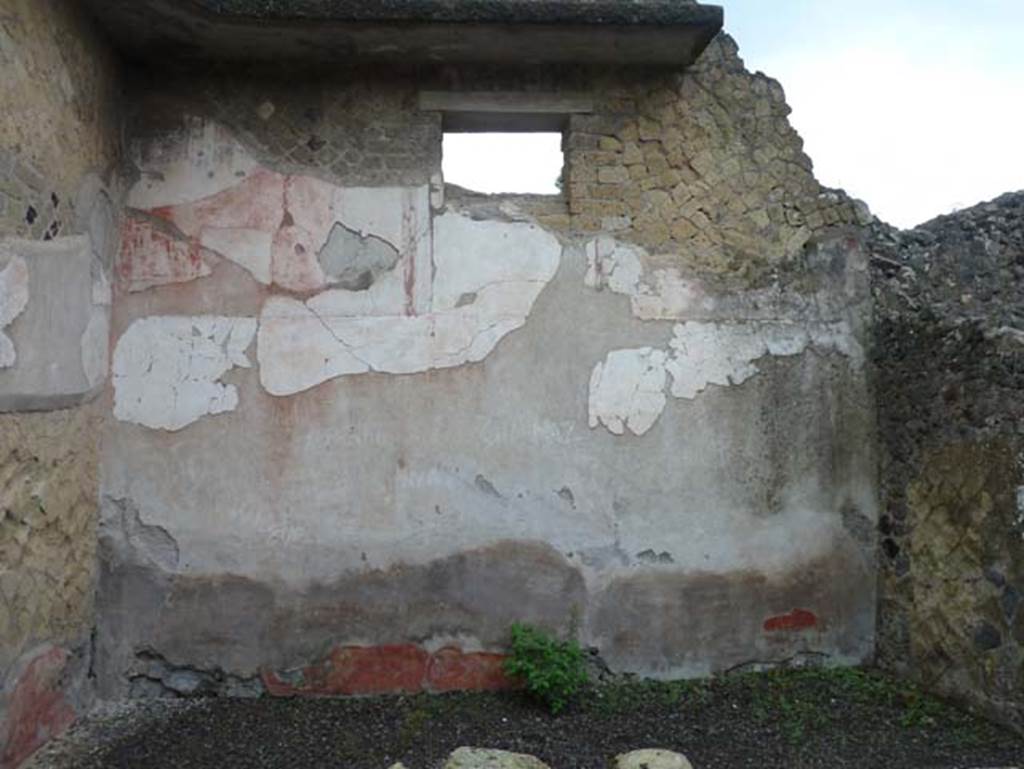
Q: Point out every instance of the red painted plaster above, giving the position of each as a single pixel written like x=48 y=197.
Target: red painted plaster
x=150 y=257
x=399 y=668
x=798 y=619
x=297 y=212
x=451 y=669
x=37 y=709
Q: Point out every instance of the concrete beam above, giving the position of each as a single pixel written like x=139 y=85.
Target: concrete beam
x=478 y=111
x=414 y=32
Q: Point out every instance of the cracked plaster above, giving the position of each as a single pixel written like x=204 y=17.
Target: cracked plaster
x=666 y=294
x=502 y=266
x=166 y=369
x=455 y=288
x=627 y=388
x=202 y=195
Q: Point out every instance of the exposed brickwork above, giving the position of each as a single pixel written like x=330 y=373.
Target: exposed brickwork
x=950 y=365
x=702 y=169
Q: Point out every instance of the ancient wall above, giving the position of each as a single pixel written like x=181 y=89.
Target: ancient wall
x=360 y=424
x=949 y=355
x=58 y=149
x=352 y=423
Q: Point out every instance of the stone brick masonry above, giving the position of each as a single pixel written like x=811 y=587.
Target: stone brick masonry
x=703 y=170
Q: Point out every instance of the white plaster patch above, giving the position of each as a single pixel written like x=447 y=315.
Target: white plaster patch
x=297 y=350
x=619 y=268
x=628 y=390
x=666 y=294
x=166 y=368
x=726 y=353
x=624 y=389
x=517 y=259
x=613 y=265
x=13 y=300
x=485 y=279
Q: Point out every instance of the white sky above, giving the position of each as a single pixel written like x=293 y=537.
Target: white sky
x=504 y=162
x=915 y=106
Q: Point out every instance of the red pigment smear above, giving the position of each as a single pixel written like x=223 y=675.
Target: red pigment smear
x=798 y=619
x=392 y=669
x=452 y=669
x=37 y=709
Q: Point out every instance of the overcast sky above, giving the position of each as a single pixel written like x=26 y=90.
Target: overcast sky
x=914 y=106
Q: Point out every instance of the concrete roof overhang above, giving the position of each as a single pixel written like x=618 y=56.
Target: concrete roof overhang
x=669 y=33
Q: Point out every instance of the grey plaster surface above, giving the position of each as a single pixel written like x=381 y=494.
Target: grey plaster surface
x=61 y=338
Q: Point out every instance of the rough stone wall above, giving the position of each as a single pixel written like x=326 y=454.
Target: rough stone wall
x=58 y=149
x=59 y=123
x=701 y=169
x=406 y=416
x=949 y=355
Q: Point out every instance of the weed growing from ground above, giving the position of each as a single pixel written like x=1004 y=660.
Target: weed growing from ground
x=552 y=670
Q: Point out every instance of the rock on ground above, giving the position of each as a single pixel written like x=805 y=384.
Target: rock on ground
x=482 y=758
x=652 y=758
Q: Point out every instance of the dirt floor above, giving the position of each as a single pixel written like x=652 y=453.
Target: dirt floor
x=791 y=719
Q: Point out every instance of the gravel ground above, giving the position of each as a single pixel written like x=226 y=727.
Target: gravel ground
x=793 y=719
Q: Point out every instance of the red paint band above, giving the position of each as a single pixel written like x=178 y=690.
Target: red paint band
x=798 y=619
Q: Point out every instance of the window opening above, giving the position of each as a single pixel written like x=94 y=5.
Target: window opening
x=496 y=162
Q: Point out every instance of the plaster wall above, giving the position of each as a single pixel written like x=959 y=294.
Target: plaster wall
x=360 y=423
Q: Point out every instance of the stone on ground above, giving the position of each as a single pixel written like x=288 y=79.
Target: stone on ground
x=483 y=758
x=652 y=758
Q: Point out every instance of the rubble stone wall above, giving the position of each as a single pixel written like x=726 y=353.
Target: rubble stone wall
x=949 y=356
